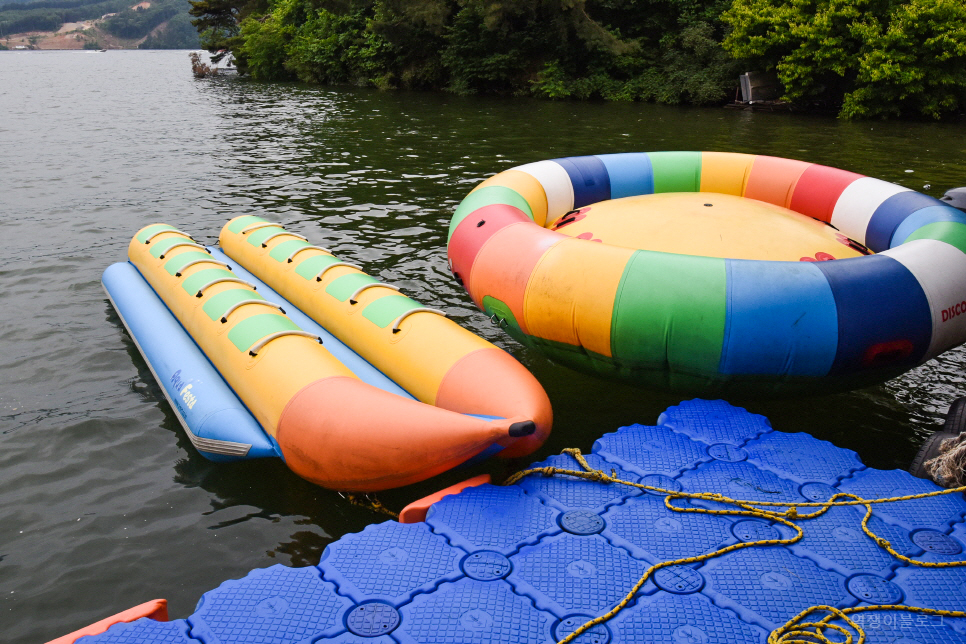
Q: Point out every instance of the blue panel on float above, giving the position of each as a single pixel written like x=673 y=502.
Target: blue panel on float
x=390 y=562
x=630 y=174
x=490 y=517
x=276 y=605
x=566 y=493
x=652 y=451
x=935 y=513
x=941 y=588
x=144 y=631
x=682 y=619
x=891 y=213
x=767 y=586
x=801 y=457
x=714 y=421
x=217 y=422
x=667 y=534
x=567 y=573
x=924 y=217
x=589 y=178
x=875 y=329
x=780 y=319
x=474 y=612
x=836 y=542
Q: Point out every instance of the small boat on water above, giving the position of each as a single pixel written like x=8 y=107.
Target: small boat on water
x=715 y=273
x=278 y=348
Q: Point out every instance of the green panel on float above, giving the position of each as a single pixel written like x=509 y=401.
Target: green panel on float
x=951 y=232
x=195 y=281
x=250 y=330
x=219 y=303
x=177 y=263
x=676 y=171
x=383 y=311
x=670 y=310
x=310 y=267
x=153 y=229
x=281 y=252
x=242 y=223
x=342 y=287
x=258 y=236
x=487 y=197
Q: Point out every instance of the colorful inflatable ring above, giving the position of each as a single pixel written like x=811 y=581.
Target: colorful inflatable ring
x=716 y=324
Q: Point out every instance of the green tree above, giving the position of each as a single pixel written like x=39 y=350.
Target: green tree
x=917 y=63
x=664 y=50
x=218 y=23
x=875 y=57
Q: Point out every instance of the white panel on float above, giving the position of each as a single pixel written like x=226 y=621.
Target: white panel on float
x=858 y=202
x=556 y=184
x=940 y=269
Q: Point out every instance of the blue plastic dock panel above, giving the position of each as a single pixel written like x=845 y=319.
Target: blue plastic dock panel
x=532 y=562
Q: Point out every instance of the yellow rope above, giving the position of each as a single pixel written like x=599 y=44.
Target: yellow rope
x=370 y=502
x=795 y=629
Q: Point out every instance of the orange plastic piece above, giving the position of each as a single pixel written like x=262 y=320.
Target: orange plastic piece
x=725 y=172
x=416 y=511
x=156 y=609
x=562 y=282
x=773 y=180
x=504 y=265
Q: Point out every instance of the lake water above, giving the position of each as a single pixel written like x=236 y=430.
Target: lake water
x=103 y=501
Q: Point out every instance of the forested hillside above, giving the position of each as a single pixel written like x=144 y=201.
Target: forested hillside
x=164 y=24
x=867 y=57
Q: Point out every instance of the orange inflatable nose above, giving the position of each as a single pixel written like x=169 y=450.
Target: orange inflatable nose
x=375 y=440
x=491 y=382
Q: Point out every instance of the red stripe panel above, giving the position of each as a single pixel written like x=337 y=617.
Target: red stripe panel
x=818 y=189
x=474 y=231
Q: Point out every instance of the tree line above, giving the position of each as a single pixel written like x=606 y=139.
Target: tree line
x=865 y=57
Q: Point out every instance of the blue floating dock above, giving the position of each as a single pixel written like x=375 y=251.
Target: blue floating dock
x=532 y=562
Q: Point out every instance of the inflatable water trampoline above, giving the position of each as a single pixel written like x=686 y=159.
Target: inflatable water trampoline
x=275 y=347
x=715 y=272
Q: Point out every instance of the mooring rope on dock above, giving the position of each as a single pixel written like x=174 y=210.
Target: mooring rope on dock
x=795 y=630
x=370 y=502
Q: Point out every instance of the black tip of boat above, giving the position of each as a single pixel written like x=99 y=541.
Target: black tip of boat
x=522 y=428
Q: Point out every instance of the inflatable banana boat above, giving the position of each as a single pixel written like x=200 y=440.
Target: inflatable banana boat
x=279 y=348
x=715 y=272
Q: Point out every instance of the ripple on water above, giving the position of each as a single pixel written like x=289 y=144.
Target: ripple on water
x=104 y=501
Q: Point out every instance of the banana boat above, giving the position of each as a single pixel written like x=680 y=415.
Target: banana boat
x=354 y=385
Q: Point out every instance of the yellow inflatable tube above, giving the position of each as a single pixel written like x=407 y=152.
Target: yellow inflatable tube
x=433 y=358
x=331 y=428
